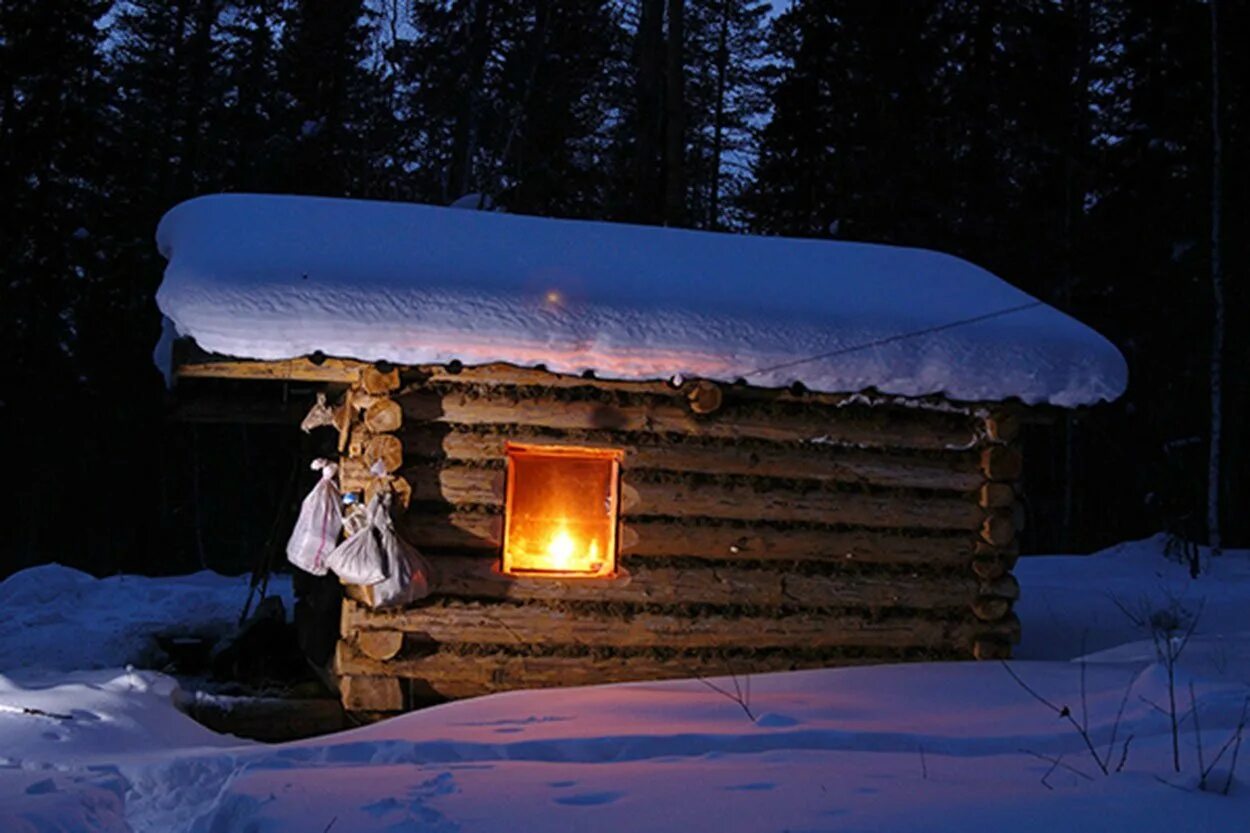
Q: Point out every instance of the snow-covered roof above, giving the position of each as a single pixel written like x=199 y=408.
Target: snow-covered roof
x=273 y=277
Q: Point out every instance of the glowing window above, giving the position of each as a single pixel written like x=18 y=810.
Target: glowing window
x=561 y=511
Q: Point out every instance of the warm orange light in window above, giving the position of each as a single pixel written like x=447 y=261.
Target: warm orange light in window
x=560 y=512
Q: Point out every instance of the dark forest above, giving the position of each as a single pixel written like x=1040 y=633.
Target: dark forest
x=1091 y=152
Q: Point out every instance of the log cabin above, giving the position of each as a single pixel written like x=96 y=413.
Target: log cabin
x=635 y=453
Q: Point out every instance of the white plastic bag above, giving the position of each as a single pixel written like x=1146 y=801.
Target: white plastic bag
x=361 y=559
x=319 y=523
x=407 y=573
x=391 y=569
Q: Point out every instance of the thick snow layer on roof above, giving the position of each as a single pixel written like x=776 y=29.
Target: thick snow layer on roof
x=272 y=277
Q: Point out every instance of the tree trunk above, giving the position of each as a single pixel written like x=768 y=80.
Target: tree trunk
x=675 y=118
x=465 y=139
x=646 y=140
x=1217 y=294
x=1074 y=200
x=718 y=122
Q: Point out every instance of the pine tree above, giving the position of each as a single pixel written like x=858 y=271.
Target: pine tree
x=252 y=106
x=725 y=92
x=510 y=101
x=51 y=101
x=337 y=126
x=848 y=148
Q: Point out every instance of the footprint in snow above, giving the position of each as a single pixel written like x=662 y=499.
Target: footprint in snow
x=588 y=799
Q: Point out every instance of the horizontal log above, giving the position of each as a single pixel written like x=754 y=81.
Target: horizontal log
x=914 y=429
x=196 y=363
x=479 y=578
x=506 y=375
x=474 y=623
x=454 y=675
x=458 y=485
x=955 y=472
x=651 y=538
x=299 y=369
x=375 y=692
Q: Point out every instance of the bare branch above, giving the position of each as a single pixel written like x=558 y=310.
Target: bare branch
x=1119 y=715
x=1202 y=767
x=1124 y=754
x=1062 y=712
x=1241 y=727
x=1058 y=762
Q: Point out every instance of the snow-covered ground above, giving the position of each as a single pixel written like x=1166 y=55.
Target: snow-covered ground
x=935 y=747
x=58 y=619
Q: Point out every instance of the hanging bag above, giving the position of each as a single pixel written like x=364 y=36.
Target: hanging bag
x=361 y=559
x=319 y=523
x=408 y=576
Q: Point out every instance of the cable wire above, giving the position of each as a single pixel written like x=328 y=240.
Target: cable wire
x=900 y=337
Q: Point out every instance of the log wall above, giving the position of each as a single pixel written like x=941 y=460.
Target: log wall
x=760 y=530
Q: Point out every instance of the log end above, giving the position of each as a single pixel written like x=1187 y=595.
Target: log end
x=379 y=645
x=991 y=648
x=705 y=397
x=376 y=382
x=998 y=530
x=375 y=694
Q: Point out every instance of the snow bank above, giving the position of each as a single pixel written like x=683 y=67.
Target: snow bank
x=62 y=748
x=941 y=748
x=271 y=277
x=60 y=619
x=1095 y=605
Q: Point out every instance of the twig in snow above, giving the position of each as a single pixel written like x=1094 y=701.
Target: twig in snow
x=1168 y=783
x=1124 y=754
x=1050 y=772
x=1232 y=766
x=1136 y=618
x=1058 y=762
x=1084 y=702
x=331 y=824
x=1115 y=727
x=1164 y=627
x=1202 y=767
x=1065 y=713
x=924 y=767
x=740 y=695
